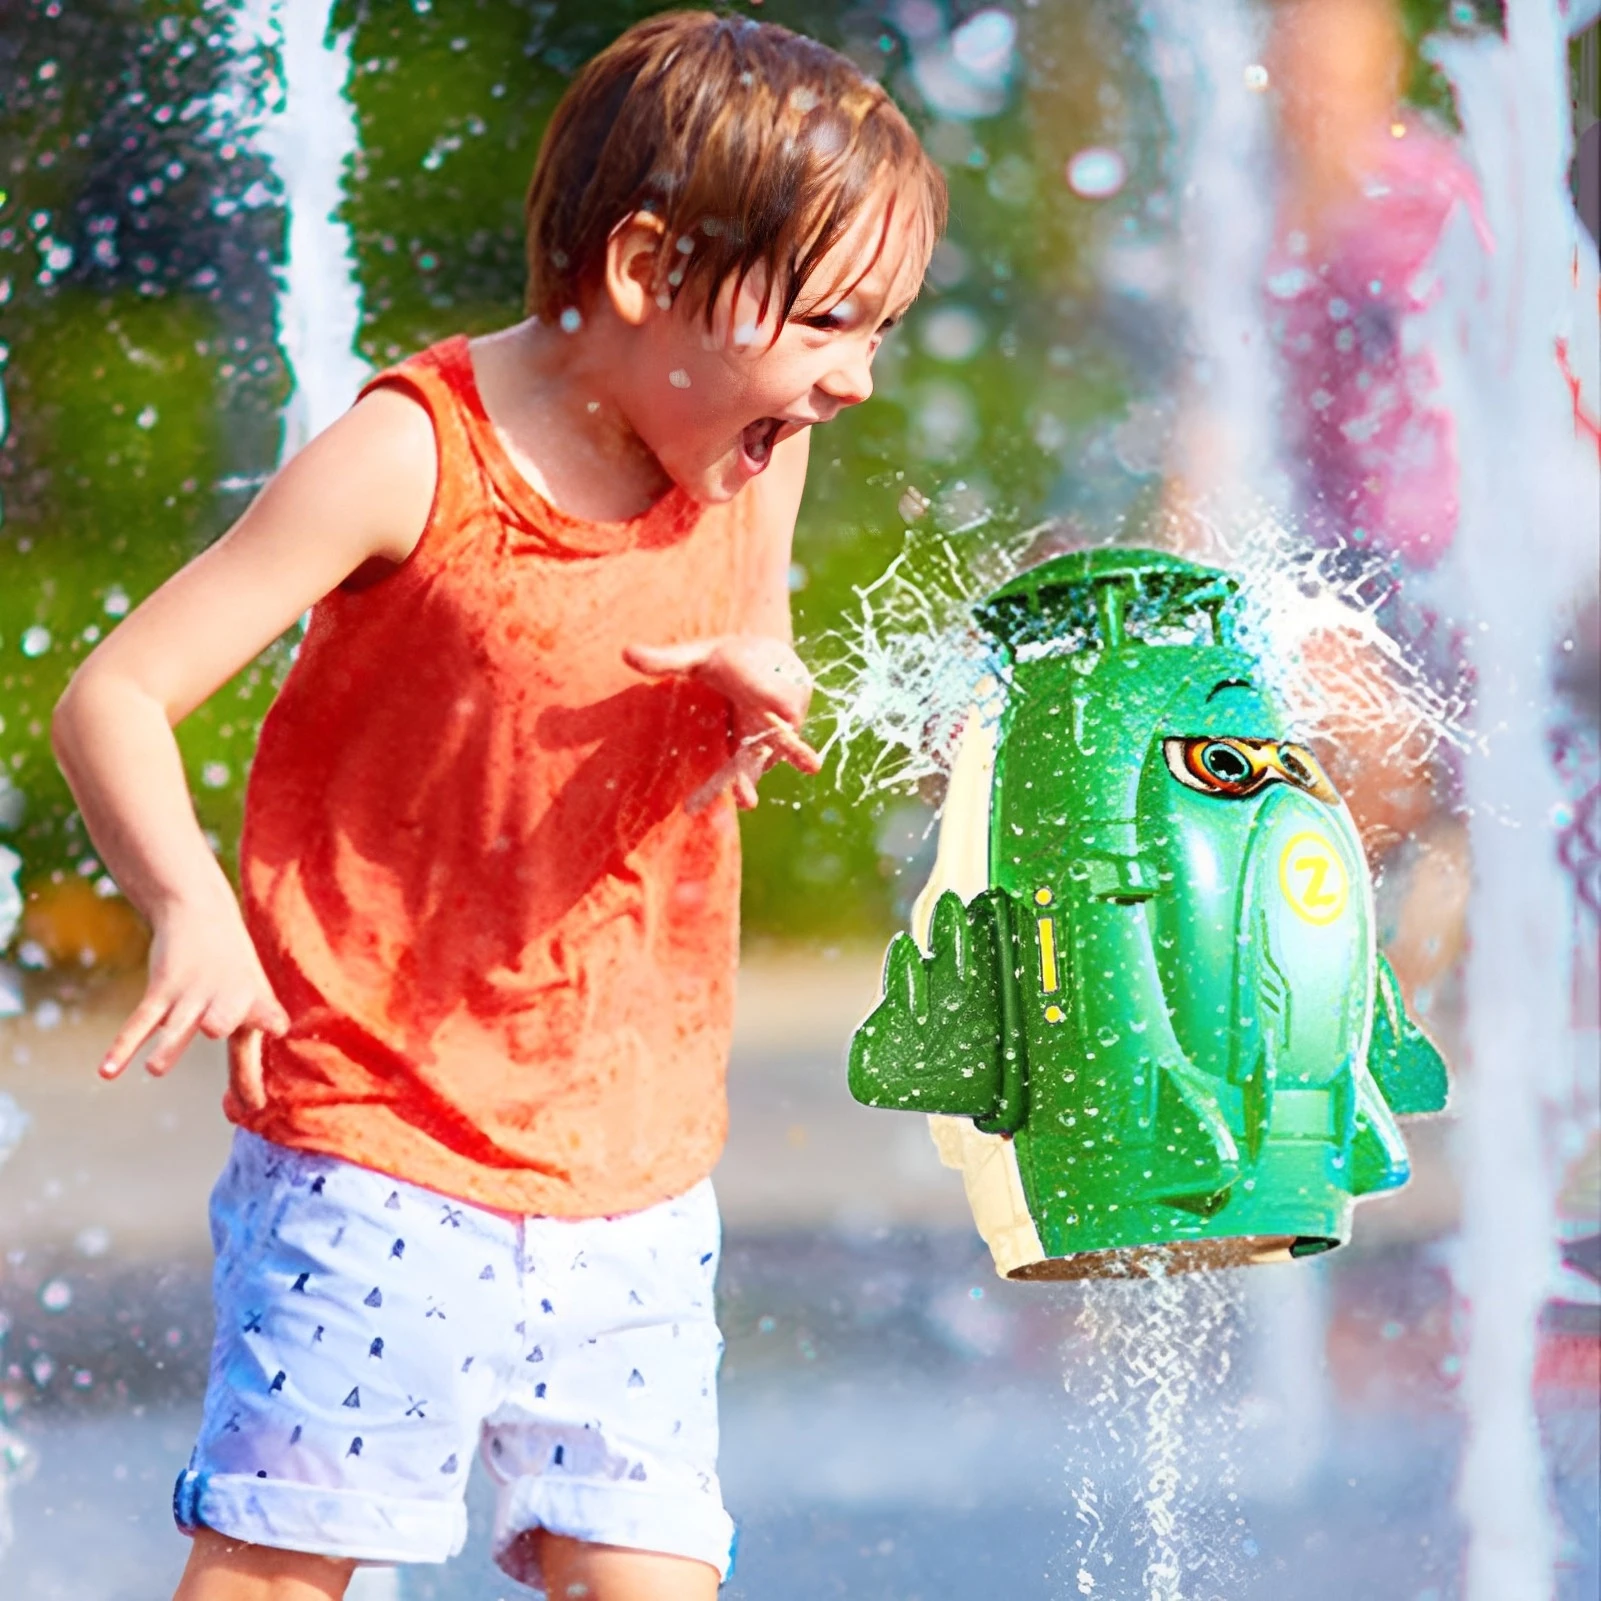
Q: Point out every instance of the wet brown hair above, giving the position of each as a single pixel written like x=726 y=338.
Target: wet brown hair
x=755 y=146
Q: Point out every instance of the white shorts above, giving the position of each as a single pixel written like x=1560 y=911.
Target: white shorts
x=371 y=1334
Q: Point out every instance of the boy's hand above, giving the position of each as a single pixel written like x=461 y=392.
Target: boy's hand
x=768 y=690
x=205 y=977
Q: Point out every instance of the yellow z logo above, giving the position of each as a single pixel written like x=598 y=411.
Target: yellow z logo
x=1313 y=879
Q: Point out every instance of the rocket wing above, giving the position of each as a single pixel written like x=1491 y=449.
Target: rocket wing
x=1406 y=1066
x=947 y=1036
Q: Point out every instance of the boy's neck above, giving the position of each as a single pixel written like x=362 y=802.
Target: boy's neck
x=549 y=396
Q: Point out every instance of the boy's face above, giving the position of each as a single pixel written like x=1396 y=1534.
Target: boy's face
x=711 y=403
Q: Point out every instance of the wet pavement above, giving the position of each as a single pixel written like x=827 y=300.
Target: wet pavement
x=899 y=1425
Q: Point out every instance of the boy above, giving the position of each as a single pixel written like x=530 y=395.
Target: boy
x=479 y=998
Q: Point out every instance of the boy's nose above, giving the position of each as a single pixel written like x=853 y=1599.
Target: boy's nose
x=850 y=383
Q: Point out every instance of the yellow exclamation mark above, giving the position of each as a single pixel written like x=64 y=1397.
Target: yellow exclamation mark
x=1049 y=981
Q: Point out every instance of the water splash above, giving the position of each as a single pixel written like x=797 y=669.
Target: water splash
x=1202 y=58
x=1525 y=551
x=900 y=674
x=18 y=1460
x=303 y=122
x=1337 y=640
x=1149 y=1372
x=10 y=917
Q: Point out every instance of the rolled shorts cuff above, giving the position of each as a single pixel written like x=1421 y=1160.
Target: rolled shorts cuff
x=321 y=1522
x=614 y=1514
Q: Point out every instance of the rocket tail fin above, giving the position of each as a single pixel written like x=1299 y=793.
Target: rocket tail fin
x=1406 y=1066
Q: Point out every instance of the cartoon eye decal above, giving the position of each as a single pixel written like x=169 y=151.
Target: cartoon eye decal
x=1236 y=768
x=1306 y=772
x=1230 y=767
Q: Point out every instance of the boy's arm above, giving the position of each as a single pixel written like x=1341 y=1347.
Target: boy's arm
x=767 y=685
x=359 y=492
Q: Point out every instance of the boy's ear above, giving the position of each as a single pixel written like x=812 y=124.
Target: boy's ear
x=633 y=266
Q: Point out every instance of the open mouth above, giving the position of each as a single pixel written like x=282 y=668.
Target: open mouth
x=757 y=440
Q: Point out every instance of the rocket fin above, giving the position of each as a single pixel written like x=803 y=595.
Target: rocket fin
x=1408 y=1070
x=1198 y=1158
x=939 y=1040
x=1378 y=1151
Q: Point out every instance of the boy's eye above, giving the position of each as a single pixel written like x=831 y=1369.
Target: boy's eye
x=832 y=319
x=843 y=317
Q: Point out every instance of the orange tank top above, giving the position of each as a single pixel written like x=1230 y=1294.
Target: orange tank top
x=507 y=952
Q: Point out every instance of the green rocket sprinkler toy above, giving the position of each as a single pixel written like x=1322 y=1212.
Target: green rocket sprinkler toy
x=1144 y=1001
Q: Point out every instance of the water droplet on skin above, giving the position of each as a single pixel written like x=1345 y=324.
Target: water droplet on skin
x=572 y=319
x=678 y=378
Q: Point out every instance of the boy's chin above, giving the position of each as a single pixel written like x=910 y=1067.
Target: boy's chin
x=718 y=481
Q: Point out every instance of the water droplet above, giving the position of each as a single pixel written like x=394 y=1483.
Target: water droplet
x=1256 y=78
x=912 y=504
x=55 y=1296
x=953 y=333
x=1096 y=173
x=35 y=640
x=572 y=319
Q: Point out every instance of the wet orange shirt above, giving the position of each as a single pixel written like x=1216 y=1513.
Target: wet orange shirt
x=507 y=951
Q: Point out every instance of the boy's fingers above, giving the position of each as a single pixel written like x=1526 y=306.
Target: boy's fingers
x=659 y=660
x=182 y=1023
x=787 y=745
x=218 y=1022
x=737 y=767
x=245 y=1070
x=142 y=1023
